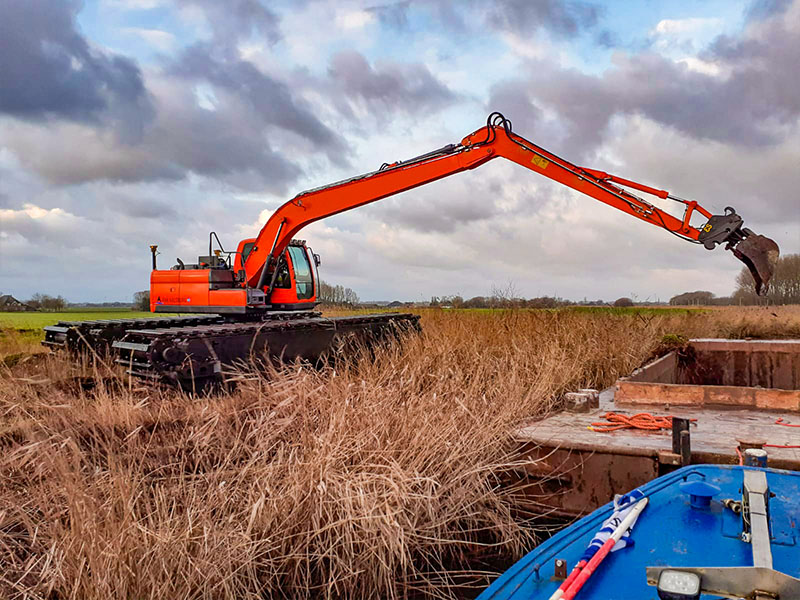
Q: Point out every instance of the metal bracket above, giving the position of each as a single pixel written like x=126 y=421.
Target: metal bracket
x=560 y=568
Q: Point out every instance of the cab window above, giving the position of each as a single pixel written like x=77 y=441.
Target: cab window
x=246 y=249
x=302 y=273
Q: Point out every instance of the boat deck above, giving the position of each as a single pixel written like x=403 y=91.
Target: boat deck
x=715 y=434
x=580 y=469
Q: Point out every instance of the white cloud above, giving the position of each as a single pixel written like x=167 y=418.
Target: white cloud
x=679 y=38
x=31 y=211
x=701 y=66
x=134 y=4
x=685 y=26
x=354 y=19
x=157 y=38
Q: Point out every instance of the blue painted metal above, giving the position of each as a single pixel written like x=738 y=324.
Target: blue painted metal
x=700 y=492
x=669 y=532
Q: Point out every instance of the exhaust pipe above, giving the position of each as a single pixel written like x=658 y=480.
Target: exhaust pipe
x=758 y=252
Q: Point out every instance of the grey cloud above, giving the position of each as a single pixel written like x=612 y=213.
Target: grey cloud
x=272 y=101
x=445 y=206
x=235 y=142
x=229 y=144
x=526 y=16
x=127 y=131
x=514 y=99
x=392 y=15
x=232 y=20
x=394 y=86
x=697 y=104
x=147 y=208
x=518 y=16
x=763 y=188
x=582 y=102
x=762 y=9
x=49 y=70
x=751 y=106
x=63 y=230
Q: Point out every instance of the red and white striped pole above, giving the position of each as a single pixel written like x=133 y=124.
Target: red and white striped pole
x=568 y=581
x=586 y=572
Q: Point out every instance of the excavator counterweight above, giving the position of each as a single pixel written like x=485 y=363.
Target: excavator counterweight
x=258 y=299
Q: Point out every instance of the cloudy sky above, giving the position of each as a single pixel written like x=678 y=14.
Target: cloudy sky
x=130 y=122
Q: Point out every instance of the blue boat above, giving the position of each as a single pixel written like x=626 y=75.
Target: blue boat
x=707 y=531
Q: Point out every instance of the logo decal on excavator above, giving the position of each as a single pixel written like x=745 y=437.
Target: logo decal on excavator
x=540 y=162
x=707 y=227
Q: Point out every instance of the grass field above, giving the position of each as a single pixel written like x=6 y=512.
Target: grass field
x=379 y=477
x=38 y=320
x=22 y=332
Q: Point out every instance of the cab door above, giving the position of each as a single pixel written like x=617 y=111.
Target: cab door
x=294 y=287
x=303 y=278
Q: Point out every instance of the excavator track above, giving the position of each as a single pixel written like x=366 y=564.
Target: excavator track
x=98 y=336
x=194 y=356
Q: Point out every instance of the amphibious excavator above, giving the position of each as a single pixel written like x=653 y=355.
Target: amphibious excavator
x=258 y=300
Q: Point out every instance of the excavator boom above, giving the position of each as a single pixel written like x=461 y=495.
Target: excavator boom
x=495 y=140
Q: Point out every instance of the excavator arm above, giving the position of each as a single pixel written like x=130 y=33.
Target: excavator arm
x=497 y=139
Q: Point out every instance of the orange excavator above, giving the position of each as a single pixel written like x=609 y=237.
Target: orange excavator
x=259 y=299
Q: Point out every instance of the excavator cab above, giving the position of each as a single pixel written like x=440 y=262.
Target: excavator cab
x=297 y=280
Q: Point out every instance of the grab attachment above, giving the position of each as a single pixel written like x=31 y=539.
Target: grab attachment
x=758 y=252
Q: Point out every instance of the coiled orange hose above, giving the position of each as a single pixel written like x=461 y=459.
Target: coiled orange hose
x=644 y=421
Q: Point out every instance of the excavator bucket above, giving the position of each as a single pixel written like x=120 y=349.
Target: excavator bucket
x=760 y=254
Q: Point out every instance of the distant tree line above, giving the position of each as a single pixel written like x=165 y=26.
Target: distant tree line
x=784 y=288
x=337 y=295
x=698 y=298
x=503 y=302
x=46 y=302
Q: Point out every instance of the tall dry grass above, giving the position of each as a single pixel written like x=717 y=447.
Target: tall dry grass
x=378 y=477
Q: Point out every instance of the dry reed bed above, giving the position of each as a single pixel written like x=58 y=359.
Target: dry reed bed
x=377 y=477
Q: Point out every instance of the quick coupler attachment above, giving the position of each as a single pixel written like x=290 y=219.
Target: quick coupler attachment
x=758 y=252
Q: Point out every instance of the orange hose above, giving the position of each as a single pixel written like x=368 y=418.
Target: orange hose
x=780 y=421
x=643 y=421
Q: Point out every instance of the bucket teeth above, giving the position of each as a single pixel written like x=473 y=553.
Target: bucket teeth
x=760 y=254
